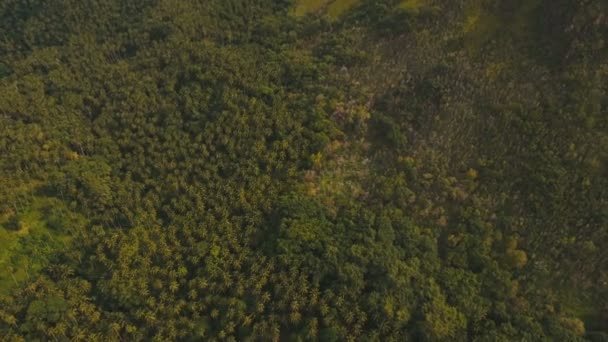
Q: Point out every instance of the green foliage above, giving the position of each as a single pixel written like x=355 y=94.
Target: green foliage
x=339 y=7
x=303 y=170
x=412 y=5
x=333 y=9
x=43 y=228
x=303 y=7
x=13 y=223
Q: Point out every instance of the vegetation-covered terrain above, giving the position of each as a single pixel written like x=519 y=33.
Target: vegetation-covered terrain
x=294 y=170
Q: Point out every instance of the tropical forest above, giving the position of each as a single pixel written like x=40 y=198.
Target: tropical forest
x=304 y=170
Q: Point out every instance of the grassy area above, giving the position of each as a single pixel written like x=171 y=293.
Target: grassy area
x=8 y=242
x=332 y=8
x=338 y=7
x=480 y=26
x=413 y=5
x=25 y=251
x=303 y=7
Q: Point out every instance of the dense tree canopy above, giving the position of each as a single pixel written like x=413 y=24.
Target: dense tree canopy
x=332 y=170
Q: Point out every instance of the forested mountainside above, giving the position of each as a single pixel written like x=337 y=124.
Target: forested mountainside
x=303 y=170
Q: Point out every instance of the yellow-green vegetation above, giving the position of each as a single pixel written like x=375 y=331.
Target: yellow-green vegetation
x=333 y=9
x=583 y=308
x=413 y=5
x=338 y=7
x=26 y=242
x=481 y=25
x=303 y=7
x=186 y=170
x=493 y=70
x=336 y=175
x=8 y=242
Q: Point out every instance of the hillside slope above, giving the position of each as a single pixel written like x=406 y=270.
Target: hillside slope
x=369 y=170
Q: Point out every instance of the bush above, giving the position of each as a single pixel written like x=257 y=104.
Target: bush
x=13 y=223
